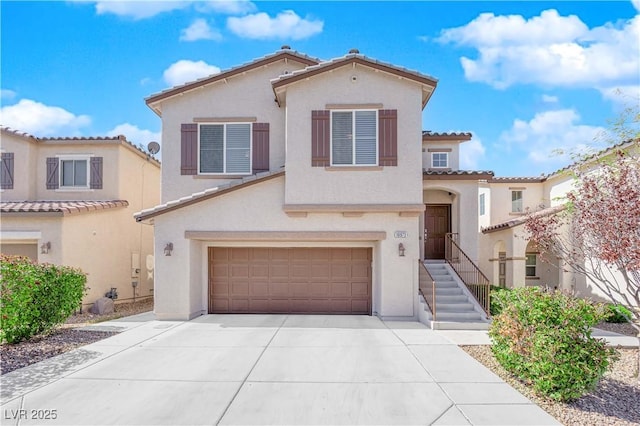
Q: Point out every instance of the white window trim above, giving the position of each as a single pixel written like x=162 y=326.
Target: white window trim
x=534 y=266
x=521 y=201
x=85 y=157
x=353 y=140
x=433 y=166
x=224 y=148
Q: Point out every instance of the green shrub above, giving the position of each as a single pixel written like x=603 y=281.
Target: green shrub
x=544 y=339
x=494 y=307
x=34 y=297
x=617 y=314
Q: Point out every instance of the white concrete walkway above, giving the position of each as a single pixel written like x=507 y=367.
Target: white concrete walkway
x=265 y=369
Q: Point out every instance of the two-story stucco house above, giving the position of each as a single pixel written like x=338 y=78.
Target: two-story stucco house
x=295 y=185
x=512 y=258
x=70 y=201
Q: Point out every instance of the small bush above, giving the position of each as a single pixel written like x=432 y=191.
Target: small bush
x=34 y=297
x=617 y=314
x=494 y=307
x=544 y=339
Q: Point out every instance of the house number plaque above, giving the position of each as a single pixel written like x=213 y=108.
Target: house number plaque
x=400 y=234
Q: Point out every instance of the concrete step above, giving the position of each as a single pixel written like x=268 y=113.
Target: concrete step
x=457 y=316
x=461 y=308
x=460 y=325
x=448 y=291
x=458 y=298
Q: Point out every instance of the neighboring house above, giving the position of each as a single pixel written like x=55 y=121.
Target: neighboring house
x=70 y=201
x=513 y=259
x=294 y=185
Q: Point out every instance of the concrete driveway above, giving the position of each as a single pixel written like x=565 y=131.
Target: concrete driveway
x=265 y=369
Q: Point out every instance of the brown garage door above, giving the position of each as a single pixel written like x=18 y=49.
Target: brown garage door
x=290 y=280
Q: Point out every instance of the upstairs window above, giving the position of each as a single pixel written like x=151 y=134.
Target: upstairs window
x=354 y=138
x=440 y=160
x=225 y=148
x=74 y=173
x=516 y=202
x=482 y=205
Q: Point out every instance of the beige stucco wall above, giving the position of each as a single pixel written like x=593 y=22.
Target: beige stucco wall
x=24 y=162
x=532 y=198
x=243 y=95
x=181 y=283
x=454 y=154
x=316 y=185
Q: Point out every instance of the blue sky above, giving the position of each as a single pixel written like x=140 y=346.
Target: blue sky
x=524 y=77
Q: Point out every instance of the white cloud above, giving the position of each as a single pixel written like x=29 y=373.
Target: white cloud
x=636 y=4
x=135 y=134
x=138 y=9
x=42 y=120
x=549 y=49
x=200 y=30
x=185 y=70
x=229 y=7
x=549 y=99
x=285 y=25
x=7 y=94
x=471 y=154
x=547 y=132
x=622 y=95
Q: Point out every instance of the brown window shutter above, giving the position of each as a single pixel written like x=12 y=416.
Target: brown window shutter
x=6 y=171
x=388 y=137
x=260 y=154
x=52 y=172
x=189 y=149
x=320 y=138
x=96 y=173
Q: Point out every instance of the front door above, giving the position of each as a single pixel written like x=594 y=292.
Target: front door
x=437 y=223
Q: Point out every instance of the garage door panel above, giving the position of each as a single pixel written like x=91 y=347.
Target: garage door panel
x=318 y=280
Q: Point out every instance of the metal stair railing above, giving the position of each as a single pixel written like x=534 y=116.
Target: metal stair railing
x=472 y=277
x=427 y=288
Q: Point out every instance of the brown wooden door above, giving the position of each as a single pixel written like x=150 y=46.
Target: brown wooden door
x=319 y=280
x=437 y=223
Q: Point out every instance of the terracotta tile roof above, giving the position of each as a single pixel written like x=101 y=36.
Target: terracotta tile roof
x=207 y=194
x=457 y=174
x=258 y=62
x=601 y=153
x=517 y=179
x=283 y=80
x=521 y=219
x=17 y=132
x=458 y=136
x=60 y=207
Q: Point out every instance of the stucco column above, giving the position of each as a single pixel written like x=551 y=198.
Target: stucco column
x=516 y=261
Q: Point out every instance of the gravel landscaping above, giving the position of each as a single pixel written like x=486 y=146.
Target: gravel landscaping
x=616 y=400
x=67 y=337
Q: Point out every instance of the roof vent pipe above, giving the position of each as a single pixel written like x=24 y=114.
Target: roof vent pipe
x=285 y=47
x=354 y=51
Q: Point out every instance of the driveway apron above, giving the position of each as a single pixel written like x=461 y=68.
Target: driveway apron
x=266 y=369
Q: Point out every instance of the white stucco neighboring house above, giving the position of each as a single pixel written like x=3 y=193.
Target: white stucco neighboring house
x=70 y=201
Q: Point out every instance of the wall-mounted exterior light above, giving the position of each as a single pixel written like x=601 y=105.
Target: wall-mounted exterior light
x=168 y=249
x=45 y=247
x=401 y=250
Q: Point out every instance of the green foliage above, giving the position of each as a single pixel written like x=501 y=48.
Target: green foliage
x=495 y=307
x=34 y=297
x=617 y=314
x=544 y=339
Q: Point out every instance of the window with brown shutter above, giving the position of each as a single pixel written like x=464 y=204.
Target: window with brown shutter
x=52 y=173
x=189 y=149
x=96 y=173
x=388 y=137
x=320 y=138
x=6 y=171
x=260 y=153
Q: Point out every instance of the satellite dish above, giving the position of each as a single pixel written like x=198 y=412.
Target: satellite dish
x=153 y=148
